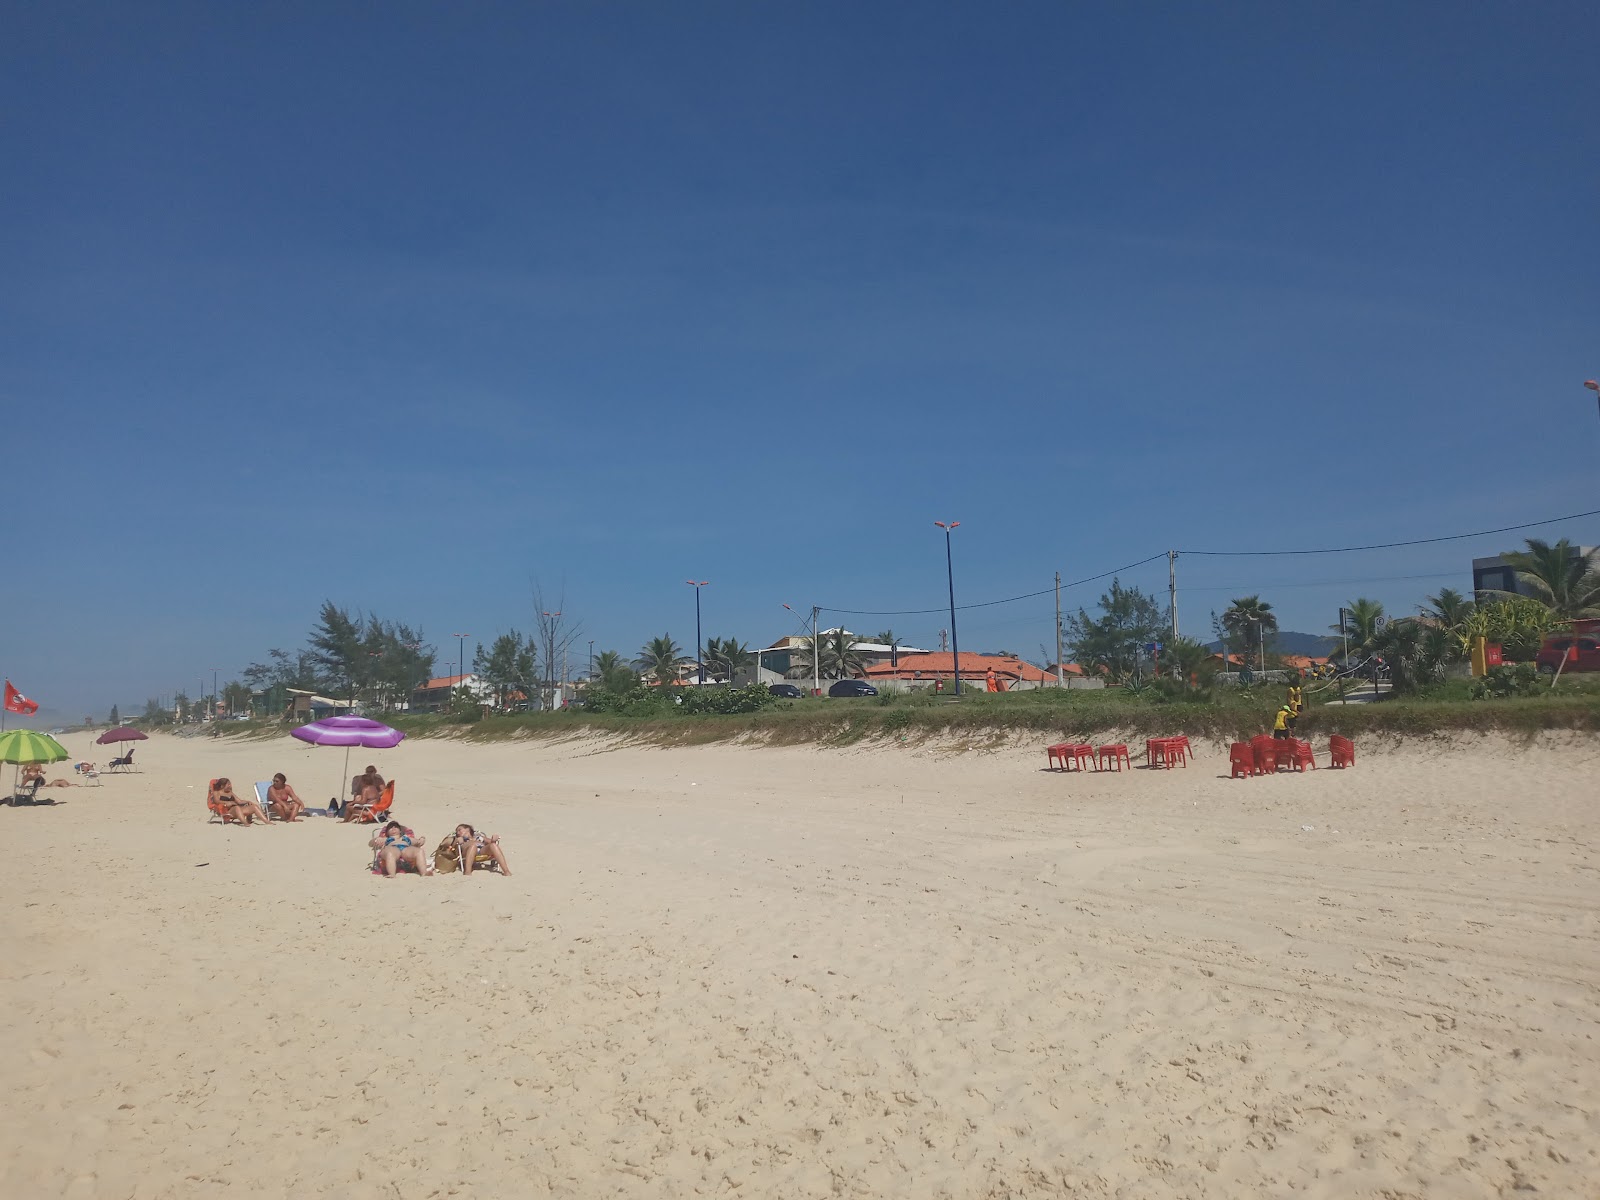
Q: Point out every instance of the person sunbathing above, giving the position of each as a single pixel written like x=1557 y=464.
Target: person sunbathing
x=246 y=812
x=474 y=847
x=281 y=799
x=33 y=771
x=397 y=847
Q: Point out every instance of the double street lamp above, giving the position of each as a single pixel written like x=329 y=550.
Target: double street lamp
x=950 y=577
x=698 y=656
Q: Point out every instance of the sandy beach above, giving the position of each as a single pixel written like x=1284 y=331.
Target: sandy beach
x=881 y=971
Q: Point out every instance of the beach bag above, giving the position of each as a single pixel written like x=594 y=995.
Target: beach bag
x=447 y=857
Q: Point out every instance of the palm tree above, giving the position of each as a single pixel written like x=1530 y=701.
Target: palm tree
x=1568 y=582
x=837 y=656
x=1449 y=608
x=613 y=673
x=729 y=654
x=839 y=650
x=660 y=657
x=1361 y=625
x=1249 y=618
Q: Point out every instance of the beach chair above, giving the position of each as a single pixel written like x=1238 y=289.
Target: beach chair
x=86 y=770
x=219 y=810
x=261 y=799
x=1242 y=758
x=28 y=792
x=1266 y=756
x=369 y=813
x=124 y=763
x=1343 y=751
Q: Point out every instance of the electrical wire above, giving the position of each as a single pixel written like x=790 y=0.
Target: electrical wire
x=1454 y=537
x=920 y=612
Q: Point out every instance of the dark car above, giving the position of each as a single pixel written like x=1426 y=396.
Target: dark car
x=786 y=691
x=1585 y=657
x=852 y=687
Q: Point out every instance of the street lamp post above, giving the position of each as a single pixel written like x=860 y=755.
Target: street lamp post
x=461 y=657
x=699 y=657
x=214 y=671
x=591 y=660
x=950 y=577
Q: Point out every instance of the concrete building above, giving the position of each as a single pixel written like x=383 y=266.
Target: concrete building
x=1496 y=575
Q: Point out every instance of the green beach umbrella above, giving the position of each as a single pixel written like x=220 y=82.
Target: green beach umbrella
x=25 y=746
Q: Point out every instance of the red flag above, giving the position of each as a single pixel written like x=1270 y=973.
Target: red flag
x=18 y=703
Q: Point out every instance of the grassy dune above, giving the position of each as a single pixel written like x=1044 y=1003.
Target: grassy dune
x=979 y=718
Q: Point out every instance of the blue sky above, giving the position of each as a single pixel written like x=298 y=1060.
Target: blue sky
x=407 y=308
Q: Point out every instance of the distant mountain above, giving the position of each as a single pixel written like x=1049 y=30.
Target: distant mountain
x=1287 y=641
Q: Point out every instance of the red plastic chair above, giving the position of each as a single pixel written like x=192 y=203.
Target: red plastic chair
x=1266 y=757
x=1304 y=759
x=1155 y=752
x=1242 y=757
x=1343 y=751
x=1116 y=755
x=1057 y=755
x=1070 y=754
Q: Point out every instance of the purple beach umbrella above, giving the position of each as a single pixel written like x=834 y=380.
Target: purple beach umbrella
x=120 y=733
x=348 y=732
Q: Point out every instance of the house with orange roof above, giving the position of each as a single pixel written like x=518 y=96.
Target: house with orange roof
x=920 y=670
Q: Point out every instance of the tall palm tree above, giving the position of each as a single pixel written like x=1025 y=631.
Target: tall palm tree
x=729 y=656
x=1449 y=608
x=840 y=648
x=1250 y=619
x=1568 y=582
x=1361 y=625
x=660 y=657
x=837 y=657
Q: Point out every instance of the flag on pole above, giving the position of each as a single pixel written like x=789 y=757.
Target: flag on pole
x=18 y=703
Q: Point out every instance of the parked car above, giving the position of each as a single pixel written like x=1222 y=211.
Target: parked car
x=1556 y=648
x=852 y=687
x=785 y=691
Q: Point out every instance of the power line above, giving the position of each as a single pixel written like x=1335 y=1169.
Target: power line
x=1454 y=537
x=1262 y=587
x=921 y=612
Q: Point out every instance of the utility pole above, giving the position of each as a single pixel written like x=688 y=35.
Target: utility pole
x=944 y=640
x=1172 y=600
x=816 y=656
x=1061 y=675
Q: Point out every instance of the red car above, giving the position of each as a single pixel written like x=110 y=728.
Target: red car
x=1587 y=657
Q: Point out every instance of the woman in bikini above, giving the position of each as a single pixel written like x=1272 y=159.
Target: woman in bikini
x=246 y=812
x=281 y=798
x=474 y=845
x=398 y=847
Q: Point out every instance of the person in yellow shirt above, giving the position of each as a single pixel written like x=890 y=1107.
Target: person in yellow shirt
x=1280 y=723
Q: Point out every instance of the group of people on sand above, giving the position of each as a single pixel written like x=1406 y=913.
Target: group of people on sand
x=281 y=802
x=397 y=849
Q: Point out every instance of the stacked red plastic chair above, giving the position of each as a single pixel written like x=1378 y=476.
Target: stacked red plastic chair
x=1115 y=755
x=1343 y=751
x=1068 y=754
x=1242 y=756
x=1266 y=757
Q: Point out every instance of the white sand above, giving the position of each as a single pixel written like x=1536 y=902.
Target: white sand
x=776 y=973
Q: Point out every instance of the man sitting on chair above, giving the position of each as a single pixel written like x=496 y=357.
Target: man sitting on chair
x=365 y=790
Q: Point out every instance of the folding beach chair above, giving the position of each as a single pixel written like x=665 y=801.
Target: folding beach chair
x=124 y=763
x=370 y=813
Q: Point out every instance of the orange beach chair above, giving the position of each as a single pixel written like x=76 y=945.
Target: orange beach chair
x=370 y=813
